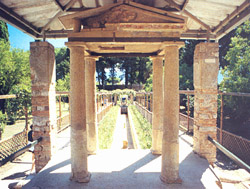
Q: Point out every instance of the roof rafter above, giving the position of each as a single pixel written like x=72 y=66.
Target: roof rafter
x=187 y=13
x=59 y=4
x=16 y=18
x=184 y=5
x=237 y=20
x=174 y=4
x=232 y=15
x=60 y=12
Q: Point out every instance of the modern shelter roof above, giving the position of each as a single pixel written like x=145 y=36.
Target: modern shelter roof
x=39 y=18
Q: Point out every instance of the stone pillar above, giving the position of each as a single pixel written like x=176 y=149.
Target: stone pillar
x=43 y=72
x=206 y=67
x=170 y=142
x=78 y=140
x=157 y=105
x=90 y=68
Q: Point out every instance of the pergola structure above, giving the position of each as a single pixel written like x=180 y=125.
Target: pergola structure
x=152 y=28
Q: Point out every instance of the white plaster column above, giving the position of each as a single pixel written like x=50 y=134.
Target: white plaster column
x=90 y=78
x=157 y=104
x=170 y=142
x=79 y=153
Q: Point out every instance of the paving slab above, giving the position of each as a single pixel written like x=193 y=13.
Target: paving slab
x=127 y=168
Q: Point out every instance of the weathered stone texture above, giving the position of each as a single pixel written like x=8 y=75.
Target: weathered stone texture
x=206 y=67
x=90 y=68
x=157 y=105
x=170 y=141
x=78 y=139
x=42 y=65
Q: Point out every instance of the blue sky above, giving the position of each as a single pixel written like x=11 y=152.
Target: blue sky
x=18 y=39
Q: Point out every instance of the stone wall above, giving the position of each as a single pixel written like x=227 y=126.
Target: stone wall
x=206 y=67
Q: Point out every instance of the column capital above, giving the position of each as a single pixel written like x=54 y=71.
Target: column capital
x=178 y=44
x=157 y=57
x=92 y=57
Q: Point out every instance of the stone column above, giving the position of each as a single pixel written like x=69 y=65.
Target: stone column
x=90 y=68
x=157 y=105
x=43 y=71
x=79 y=153
x=170 y=142
x=206 y=67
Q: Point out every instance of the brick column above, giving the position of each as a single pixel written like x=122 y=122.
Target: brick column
x=157 y=105
x=90 y=68
x=42 y=65
x=79 y=154
x=170 y=141
x=206 y=67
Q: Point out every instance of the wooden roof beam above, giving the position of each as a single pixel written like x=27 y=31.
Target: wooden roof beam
x=58 y=4
x=236 y=21
x=184 y=5
x=15 y=18
x=187 y=13
x=59 y=13
x=174 y=4
x=238 y=10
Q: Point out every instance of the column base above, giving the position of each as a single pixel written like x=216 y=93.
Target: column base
x=92 y=152
x=81 y=179
x=156 y=152
x=171 y=181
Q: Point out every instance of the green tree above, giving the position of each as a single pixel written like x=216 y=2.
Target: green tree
x=236 y=75
x=62 y=62
x=4 y=34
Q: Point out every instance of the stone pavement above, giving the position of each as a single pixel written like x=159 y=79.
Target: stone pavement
x=116 y=168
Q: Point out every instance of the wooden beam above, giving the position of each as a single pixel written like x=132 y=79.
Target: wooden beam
x=196 y=19
x=58 y=4
x=81 y=4
x=184 y=5
x=59 y=13
x=238 y=10
x=174 y=4
x=123 y=54
x=10 y=16
x=97 y=3
x=236 y=21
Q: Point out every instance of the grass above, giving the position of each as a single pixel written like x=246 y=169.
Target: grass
x=143 y=128
x=106 y=128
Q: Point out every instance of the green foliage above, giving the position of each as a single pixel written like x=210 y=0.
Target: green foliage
x=62 y=63
x=143 y=128
x=16 y=106
x=4 y=34
x=236 y=75
x=149 y=84
x=106 y=128
x=2 y=123
x=63 y=84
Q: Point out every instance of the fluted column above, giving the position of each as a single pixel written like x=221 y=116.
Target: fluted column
x=157 y=104
x=90 y=68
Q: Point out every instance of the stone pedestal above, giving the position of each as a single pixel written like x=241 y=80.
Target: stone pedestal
x=43 y=72
x=79 y=153
x=157 y=105
x=206 y=67
x=90 y=68
x=170 y=141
